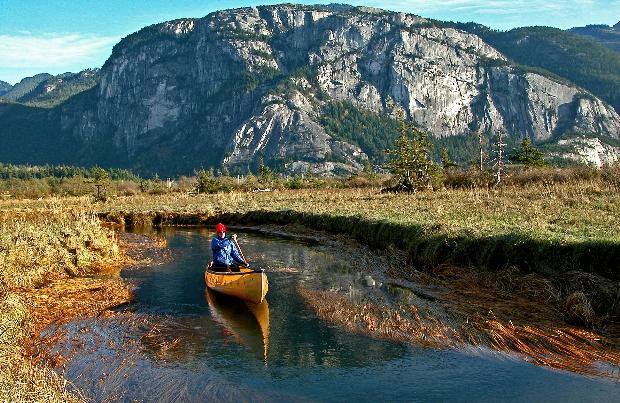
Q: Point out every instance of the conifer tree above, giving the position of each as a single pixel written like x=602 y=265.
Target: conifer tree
x=446 y=162
x=265 y=174
x=410 y=161
x=529 y=155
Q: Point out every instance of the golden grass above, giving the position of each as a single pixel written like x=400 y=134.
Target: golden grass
x=42 y=240
x=566 y=348
x=559 y=212
x=44 y=251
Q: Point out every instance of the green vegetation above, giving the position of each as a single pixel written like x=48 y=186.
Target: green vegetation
x=446 y=161
x=143 y=37
x=603 y=34
x=10 y=171
x=207 y=183
x=265 y=174
x=25 y=86
x=244 y=83
x=372 y=132
x=410 y=162
x=58 y=89
x=529 y=155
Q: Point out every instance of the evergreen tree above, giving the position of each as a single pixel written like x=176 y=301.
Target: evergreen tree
x=446 y=162
x=265 y=174
x=100 y=175
x=206 y=182
x=410 y=161
x=529 y=155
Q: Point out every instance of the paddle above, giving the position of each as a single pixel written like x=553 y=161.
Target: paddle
x=234 y=239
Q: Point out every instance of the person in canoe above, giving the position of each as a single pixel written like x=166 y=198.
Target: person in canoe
x=226 y=256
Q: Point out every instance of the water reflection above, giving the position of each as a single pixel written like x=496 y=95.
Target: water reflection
x=248 y=322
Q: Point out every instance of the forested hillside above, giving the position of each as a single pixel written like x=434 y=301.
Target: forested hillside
x=603 y=34
x=25 y=86
x=45 y=90
x=577 y=58
x=4 y=87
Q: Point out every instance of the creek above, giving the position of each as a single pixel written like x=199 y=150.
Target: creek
x=175 y=342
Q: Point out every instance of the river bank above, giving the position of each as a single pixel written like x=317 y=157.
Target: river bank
x=56 y=264
x=564 y=233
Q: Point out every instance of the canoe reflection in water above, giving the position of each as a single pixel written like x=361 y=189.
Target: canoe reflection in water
x=246 y=321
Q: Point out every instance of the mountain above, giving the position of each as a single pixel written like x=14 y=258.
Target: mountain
x=603 y=34
x=45 y=90
x=576 y=58
x=303 y=88
x=4 y=87
x=25 y=86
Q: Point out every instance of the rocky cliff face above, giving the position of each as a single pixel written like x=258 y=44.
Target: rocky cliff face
x=242 y=85
x=586 y=150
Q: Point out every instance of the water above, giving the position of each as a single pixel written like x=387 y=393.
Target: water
x=175 y=343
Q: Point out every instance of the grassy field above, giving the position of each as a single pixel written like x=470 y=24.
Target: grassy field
x=565 y=232
x=564 y=217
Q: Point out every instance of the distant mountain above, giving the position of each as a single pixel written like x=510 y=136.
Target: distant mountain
x=46 y=91
x=565 y=54
x=25 y=86
x=4 y=87
x=314 y=89
x=603 y=34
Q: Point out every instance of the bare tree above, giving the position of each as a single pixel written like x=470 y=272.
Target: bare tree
x=499 y=164
x=482 y=142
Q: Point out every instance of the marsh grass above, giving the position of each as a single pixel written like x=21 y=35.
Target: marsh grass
x=542 y=228
x=567 y=348
x=43 y=250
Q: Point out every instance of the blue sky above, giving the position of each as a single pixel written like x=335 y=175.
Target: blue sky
x=56 y=36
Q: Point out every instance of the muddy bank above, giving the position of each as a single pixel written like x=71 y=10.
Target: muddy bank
x=582 y=279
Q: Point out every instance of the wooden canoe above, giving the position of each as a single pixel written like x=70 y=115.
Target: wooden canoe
x=247 y=284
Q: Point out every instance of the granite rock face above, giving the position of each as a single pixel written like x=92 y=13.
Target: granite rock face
x=591 y=151
x=238 y=86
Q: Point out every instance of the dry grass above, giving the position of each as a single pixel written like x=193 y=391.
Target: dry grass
x=566 y=348
x=57 y=238
x=403 y=323
x=44 y=252
x=557 y=212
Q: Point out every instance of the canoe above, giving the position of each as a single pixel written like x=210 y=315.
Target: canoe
x=246 y=321
x=247 y=284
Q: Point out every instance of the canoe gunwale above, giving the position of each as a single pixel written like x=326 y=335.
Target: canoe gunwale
x=234 y=273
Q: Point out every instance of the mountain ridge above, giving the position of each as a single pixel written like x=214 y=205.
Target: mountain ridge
x=604 y=34
x=241 y=86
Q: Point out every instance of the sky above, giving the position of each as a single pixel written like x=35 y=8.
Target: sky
x=57 y=36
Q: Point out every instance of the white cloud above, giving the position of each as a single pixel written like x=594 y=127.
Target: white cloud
x=561 y=13
x=52 y=50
